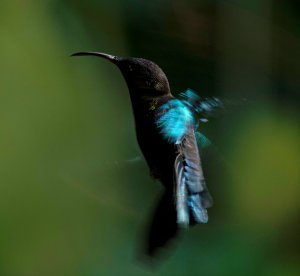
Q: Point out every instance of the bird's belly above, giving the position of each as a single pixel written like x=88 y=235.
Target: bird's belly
x=158 y=152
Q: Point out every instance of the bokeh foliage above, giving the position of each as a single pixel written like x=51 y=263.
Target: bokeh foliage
x=70 y=204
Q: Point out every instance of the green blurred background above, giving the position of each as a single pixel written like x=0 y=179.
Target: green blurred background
x=70 y=204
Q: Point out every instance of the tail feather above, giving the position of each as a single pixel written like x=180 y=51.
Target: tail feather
x=163 y=226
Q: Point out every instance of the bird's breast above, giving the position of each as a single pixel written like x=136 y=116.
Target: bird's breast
x=159 y=153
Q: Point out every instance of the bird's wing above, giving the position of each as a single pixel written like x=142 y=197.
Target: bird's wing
x=176 y=124
x=192 y=196
x=204 y=107
x=202 y=140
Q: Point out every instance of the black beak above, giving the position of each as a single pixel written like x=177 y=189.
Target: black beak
x=113 y=59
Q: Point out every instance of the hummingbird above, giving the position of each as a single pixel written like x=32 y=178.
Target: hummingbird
x=166 y=131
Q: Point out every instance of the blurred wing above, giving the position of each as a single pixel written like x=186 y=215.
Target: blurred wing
x=210 y=106
x=202 y=140
x=204 y=107
x=176 y=124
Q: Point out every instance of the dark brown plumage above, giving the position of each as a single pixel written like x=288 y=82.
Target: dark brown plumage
x=165 y=133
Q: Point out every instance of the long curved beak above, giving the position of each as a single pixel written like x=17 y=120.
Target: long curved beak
x=113 y=59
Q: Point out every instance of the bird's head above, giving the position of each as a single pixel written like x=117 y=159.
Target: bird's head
x=142 y=76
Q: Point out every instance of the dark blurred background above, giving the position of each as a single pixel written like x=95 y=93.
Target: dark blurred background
x=71 y=203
